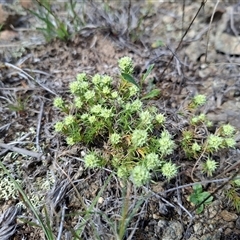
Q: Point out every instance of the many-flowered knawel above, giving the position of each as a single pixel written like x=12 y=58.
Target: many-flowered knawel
x=125 y=65
x=124 y=132
x=169 y=170
x=210 y=166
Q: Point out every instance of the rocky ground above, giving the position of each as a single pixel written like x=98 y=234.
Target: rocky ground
x=33 y=72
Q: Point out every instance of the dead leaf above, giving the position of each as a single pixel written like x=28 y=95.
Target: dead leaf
x=26 y=3
x=8 y=35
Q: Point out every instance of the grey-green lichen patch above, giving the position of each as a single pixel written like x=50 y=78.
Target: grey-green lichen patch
x=35 y=188
x=7 y=188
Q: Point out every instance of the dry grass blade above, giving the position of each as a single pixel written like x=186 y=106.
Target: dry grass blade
x=4 y=129
x=121 y=22
x=8 y=222
x=57 y=194
x=208 y=34
x=27 y=76
x=185 y=33
x=80 y=229
x=21 y=150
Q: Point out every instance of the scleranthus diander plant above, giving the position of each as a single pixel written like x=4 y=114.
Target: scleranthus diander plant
x=123 y=132
x=198 y=139
x=101 y=112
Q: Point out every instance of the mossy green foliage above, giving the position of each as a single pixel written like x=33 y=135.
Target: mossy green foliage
x=101 y=112
x=116 y=116
x=198 y=141
x=194 y=144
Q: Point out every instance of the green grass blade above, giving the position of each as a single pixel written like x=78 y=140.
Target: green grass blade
x=127 y=218
x=44 y=19
x=89 y=211
x=129 y=78
x=154 y=93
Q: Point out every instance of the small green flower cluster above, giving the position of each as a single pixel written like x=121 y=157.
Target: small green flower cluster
x=199 y=119
x=198 y=101
x=91 y=113
x=209 y=166
x=222 y=139
x=125 y=65
x=101 y=112
x=195 y=144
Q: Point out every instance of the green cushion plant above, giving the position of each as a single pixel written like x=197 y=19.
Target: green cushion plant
x=119 y=128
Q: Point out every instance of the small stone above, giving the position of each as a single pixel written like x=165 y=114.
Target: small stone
x=227 y=216
x=212 y=212
x=158 y=187
x=174 y=230
x=212 y=236
x=83 y=153
x=228 y=231
x=155 y=216
x=100 y=200
x=197 y=228
x=26 y=4
x=162 y=223
x=238 y=223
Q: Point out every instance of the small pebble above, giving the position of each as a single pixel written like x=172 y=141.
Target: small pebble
x=228 y=216
x=238 y=223
x=100 y=200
